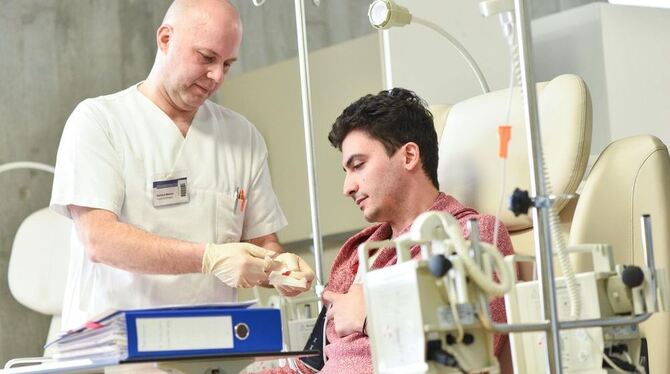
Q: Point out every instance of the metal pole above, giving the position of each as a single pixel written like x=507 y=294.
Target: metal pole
x=387 y=73
x=648 y=245
x=541 y=232
x=309 y=144
x=605 y=322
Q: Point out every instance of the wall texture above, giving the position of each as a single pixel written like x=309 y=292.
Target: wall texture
x=270 y=34
x=53 y=54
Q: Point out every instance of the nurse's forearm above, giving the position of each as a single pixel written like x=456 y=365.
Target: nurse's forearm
x=270 y=242
x=127 y=247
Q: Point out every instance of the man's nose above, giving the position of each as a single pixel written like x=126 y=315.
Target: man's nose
x=350 y=186
x=215 y=73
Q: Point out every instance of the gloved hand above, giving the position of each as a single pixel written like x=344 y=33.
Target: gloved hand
x=238 y=264
x=298 y=269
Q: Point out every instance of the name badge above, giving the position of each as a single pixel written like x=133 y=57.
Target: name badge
x=170 y=191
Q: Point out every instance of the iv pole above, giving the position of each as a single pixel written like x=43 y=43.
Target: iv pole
x=309 y=143
x=541 y=233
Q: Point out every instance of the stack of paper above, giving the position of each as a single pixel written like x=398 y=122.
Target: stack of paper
x=110 y=338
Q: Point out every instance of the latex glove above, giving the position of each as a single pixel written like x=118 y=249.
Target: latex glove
x=238 y=264
x=347 y=310
x=298 y=268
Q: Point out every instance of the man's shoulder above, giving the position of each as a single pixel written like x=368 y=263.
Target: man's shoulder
x=124 y=94
x=449 y=204
x=463 y=212
x=104 y=102
x=486 y=222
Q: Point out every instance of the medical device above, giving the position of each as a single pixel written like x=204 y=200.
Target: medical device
x=431 y=315
x=606 y=294
x=613 y=300
x=298 y=318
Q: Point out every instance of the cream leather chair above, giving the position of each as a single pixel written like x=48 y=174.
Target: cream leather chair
x=631 y=177
x=469 y=167
x=39 y=263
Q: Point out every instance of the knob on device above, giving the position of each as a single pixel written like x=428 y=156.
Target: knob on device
x=632 y=276
x=439 y=265
x=520 y=202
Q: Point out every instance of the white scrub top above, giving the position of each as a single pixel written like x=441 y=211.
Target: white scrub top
x=112 y=150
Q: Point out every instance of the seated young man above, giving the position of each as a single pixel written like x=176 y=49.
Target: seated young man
x=389 y=155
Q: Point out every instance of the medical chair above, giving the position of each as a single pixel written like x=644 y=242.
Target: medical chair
x=470 y=169
x=38 y=264
x=631 y=177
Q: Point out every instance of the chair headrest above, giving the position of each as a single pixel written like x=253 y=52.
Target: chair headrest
x=629 y=178
x=39 y=261
x=469 y=167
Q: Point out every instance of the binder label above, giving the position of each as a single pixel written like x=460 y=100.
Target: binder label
x=184 y=333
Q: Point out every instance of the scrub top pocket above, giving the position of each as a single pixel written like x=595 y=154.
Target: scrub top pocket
x=229 y=219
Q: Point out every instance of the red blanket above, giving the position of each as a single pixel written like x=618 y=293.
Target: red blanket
x=351 y=354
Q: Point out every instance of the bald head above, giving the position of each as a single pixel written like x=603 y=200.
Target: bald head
x=185 y=13
x=198 y=42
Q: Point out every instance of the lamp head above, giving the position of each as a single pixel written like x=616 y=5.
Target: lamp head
x=384 y=14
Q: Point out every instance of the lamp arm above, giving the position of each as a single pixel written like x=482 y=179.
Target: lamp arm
x=459 y=47
x=26 y=165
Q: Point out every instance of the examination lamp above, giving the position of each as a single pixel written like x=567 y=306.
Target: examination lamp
x=387 y=14
x=384 y=14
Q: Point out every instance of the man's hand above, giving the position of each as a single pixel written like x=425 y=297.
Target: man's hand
x=347 y=310
x=238 y=264
x=297 y=268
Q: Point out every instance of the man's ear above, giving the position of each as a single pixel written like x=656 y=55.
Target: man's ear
x=411 y=156
x=163 y=37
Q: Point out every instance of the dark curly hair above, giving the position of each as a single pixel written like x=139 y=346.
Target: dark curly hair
x=394 y=118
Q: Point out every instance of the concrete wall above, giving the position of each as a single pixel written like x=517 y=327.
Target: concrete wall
x=54 y=54
x=270 y=35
